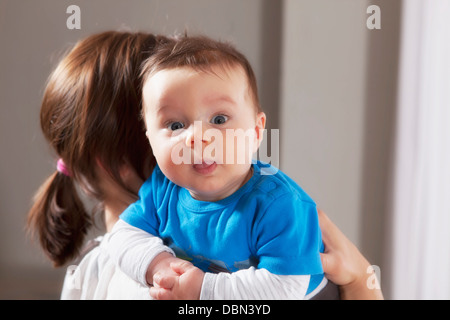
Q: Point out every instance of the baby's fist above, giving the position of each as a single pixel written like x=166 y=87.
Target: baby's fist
x=185 y=285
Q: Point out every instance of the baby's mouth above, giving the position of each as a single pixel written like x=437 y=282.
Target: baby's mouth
x=205 y=168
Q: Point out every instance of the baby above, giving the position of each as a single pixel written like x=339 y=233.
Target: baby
x=243 y=228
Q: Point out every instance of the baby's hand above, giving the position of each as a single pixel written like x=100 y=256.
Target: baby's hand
x=184 y=283
x=161 y=265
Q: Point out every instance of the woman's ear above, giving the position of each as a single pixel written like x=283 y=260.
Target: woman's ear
x=130 y=177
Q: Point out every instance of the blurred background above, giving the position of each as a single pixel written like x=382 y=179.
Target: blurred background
x=363 y=115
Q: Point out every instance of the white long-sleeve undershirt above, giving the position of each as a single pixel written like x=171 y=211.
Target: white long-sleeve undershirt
x=133 y=250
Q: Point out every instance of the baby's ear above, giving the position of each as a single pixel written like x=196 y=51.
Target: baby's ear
x=259 y=128
x=261 y=120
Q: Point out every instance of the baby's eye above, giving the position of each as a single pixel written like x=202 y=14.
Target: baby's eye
x=175 y=126
x=220 y=119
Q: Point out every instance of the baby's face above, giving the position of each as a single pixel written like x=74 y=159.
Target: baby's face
x=203 y=128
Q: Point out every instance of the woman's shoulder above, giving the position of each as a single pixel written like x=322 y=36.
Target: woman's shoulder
x=88 y=247
x=93 y=276
x=83 y=273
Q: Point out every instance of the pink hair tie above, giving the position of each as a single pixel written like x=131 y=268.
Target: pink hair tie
x=61 y=167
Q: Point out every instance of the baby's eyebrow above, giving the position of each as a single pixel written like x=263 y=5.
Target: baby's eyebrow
x=219 y=98
x=161 y=108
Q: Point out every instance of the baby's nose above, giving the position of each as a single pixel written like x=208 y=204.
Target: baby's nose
x=197 y=135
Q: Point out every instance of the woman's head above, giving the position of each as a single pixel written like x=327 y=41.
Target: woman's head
x=90 y=115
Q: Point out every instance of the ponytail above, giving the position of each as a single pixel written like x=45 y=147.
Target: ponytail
x=59 y=218
x=90 y=114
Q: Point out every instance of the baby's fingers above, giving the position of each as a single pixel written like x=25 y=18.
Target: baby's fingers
x=161 y=293
x=181 y=266
x=164 y=281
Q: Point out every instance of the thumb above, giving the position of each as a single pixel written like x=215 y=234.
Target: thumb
x=181 y=266
x=332 y=268
x=328 y=263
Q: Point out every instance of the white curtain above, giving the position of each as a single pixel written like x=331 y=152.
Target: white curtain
x=420 y=248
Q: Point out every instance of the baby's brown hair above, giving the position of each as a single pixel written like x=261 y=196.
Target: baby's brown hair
x=203 y=54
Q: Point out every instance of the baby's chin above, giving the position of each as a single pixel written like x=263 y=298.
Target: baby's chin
x=210 y=181
x=208 y=191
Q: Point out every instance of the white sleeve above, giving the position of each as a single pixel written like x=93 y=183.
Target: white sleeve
x=253 y=284
x=133 y=249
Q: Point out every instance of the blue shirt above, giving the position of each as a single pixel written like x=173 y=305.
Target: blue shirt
x=270 y=222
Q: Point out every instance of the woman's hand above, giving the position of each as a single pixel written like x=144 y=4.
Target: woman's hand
x=344 y=264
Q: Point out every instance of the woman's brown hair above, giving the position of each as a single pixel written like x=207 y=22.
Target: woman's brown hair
x=90 y=115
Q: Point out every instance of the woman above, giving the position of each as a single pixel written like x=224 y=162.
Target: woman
x=90 y=115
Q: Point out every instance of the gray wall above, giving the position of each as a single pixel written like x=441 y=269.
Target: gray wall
x=322 y=107
x=325 y=80
x=338 y=98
